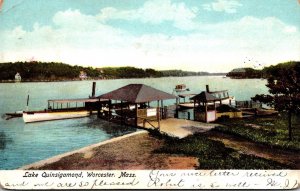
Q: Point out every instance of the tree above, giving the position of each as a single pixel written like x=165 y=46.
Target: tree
x=284 y=89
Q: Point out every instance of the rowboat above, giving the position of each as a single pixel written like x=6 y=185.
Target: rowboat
x=30 y=117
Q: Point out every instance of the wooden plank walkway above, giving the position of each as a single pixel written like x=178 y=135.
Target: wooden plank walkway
x=180 y=128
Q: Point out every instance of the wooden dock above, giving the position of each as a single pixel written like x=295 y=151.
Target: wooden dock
x=179 y=128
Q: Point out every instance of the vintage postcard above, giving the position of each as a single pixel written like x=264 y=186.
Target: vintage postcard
x=149 y=94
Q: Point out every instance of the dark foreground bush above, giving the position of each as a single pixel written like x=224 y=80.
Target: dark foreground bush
x=271 y=131
x=214 y=155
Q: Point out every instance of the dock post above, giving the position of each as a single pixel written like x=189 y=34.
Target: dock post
x=158 y=115
x=161 y=109
x=136 y=115
x=94 y=89
x=207 y=88
x=27 y=103
x=98 y=109
x=176 y=108
x=165 y=112
x=109 y=110
x=122 y=114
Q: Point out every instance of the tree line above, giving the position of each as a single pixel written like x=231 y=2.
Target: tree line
x=266 y=72
x=283 y=82
x=52 y=71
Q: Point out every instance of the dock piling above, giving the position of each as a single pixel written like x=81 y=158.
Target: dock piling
x=94 y=89
x=207 y=88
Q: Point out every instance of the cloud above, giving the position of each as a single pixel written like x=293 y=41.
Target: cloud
x=89 y=40
x=227 y=6
x=154 y=12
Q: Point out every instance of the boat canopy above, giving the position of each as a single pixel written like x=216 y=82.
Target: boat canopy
x=75 y=100
x=186 y=95
x=222 y=94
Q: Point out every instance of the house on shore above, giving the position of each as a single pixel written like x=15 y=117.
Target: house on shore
x=18 y=77
x=83 y=75
x=237 y=73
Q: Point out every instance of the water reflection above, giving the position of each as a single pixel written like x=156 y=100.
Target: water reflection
x=4 y=140
x=109 y=128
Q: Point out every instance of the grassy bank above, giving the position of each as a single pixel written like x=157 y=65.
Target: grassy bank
x=213 y=154
x=271 y=131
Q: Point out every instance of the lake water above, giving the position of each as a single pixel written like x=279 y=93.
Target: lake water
x=22 y=144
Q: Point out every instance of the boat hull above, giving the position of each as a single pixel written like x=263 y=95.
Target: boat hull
x=30 y=117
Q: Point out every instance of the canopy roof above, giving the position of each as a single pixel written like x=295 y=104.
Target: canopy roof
x=204 y=97
x=137 y=93
x=186 y=95
x=75 y=100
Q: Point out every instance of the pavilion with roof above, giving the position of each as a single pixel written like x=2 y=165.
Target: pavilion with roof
x=131 y=104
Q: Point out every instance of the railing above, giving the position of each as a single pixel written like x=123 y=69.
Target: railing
x=248 y=104
x=146 y=120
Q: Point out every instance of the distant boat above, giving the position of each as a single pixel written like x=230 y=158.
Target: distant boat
x=18 y=77
x=181 y=88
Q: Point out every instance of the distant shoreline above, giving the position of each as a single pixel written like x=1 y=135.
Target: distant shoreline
x=90 y=79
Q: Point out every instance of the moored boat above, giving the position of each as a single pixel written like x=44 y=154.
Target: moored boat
x=186 y=103
x=29 y=117
x=223 y=97
x=64 y=109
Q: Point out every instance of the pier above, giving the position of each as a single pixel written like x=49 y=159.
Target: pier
x=180 y=128
x=133 y=105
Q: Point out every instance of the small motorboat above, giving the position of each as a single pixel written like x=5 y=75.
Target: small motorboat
x=181 y=88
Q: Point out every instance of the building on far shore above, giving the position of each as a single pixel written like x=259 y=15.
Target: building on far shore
x=237 y=73
x=83 y=75
x=18 y=77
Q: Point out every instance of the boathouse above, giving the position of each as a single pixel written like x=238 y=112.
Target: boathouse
x=133 y=105
x=204 y=107
x=209 y=108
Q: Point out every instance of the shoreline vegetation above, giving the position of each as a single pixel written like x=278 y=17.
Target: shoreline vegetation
x=52 y=71
x=265 y=73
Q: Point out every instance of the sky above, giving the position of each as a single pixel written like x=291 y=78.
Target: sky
x=193 y=35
